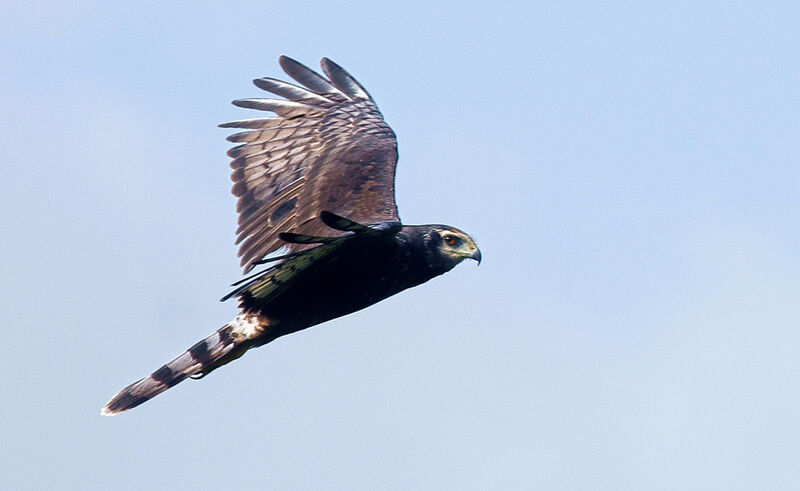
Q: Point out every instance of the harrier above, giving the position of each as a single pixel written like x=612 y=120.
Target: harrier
x=317 y=212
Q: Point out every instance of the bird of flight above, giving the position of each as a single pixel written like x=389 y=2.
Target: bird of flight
x=316 y=185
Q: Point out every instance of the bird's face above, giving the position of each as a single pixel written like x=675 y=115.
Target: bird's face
x=454 y=245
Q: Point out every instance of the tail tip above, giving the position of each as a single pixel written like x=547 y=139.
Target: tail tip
x=106 y=411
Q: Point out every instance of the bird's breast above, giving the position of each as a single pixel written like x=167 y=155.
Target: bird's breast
x=344 y=283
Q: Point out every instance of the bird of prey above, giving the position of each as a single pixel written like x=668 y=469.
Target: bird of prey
x=315 y=188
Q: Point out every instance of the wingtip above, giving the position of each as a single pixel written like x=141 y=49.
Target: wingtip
x=246 y=103
x=265 y=83
x=343 y=80
x=285 y=61
x=229 y=124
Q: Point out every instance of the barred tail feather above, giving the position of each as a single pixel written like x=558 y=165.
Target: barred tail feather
x=228 y=343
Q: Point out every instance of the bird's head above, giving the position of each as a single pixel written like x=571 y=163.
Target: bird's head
x=452 y=246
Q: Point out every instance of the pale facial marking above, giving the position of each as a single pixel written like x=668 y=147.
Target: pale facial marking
x=457 y=244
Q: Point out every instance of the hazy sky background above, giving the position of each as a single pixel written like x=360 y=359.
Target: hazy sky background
x=631 y=173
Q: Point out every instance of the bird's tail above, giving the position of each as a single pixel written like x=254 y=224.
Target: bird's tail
x=228 y=343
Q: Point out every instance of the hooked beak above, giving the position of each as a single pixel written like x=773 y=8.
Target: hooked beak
x=476 y=256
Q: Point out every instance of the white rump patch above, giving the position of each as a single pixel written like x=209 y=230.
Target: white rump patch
x=245 y=326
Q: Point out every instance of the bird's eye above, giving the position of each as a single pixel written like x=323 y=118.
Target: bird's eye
x=449 y=240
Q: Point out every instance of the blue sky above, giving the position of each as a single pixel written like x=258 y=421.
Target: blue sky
x=630 y=172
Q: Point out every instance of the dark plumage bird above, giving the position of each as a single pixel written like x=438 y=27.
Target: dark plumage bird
x=315 y=183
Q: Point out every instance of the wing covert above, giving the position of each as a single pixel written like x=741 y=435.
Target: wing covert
x=327 y=149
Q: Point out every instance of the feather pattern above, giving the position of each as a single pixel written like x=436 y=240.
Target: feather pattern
x=329 y=148
x=223 y=346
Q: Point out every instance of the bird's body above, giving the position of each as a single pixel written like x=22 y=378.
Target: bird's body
x=364 y=272
x=325 y=168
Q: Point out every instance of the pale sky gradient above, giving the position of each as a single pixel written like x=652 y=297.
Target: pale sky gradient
x=631 y=173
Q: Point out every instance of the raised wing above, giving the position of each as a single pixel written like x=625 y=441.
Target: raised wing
x=327 y=149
